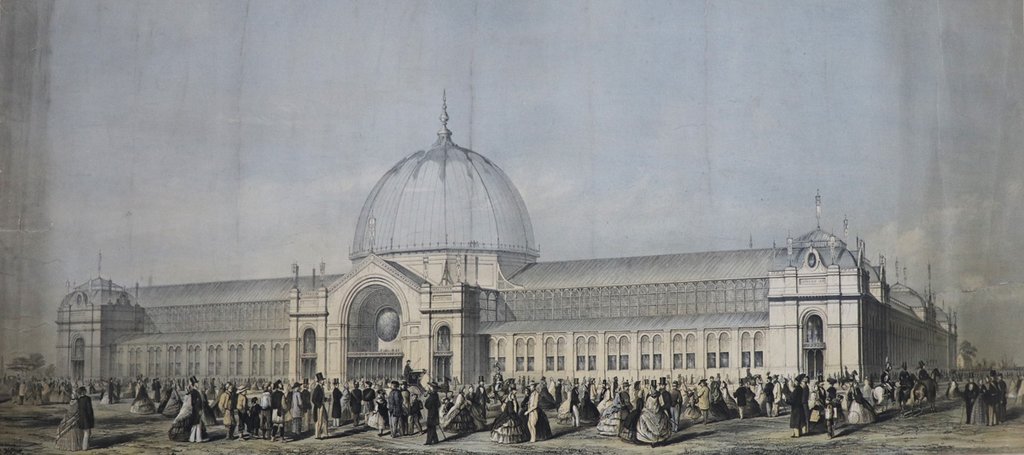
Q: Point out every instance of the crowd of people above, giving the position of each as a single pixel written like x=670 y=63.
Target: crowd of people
x=648 y=411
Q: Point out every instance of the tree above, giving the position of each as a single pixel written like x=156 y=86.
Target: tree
x=27 y=364
x=968 y=352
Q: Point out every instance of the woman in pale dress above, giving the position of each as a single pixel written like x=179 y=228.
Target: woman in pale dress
x=459 y=419
x=69 y=435
x=612 y=416
x=606 y=399
x=654 y=426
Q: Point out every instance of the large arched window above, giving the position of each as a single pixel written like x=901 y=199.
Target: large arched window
x=656 y=350
x=592 y=353
x=444 y=339
x=520 y=354
x=712 y=349
x=309 y=342
x=156 y=361
x=746 y=350
x=231 y=360
x=813 y=329
x=645 y=352
x=612 y=349
x=724 y=347
x=217 y=363
x=581 y=354
x=531 y=349
x=549 y=354
x=210 y=361
x=758 y=349
x=254 y=360
x=691 y=351
x=501 y=353
x=677 y=352
x=623 y=353
x=284 y=359
x=560 y=354
x=275 y=359
x=492 y=351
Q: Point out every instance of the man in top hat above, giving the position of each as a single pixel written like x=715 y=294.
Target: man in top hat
x=574 y=402
x=277 y=410
x=242 y=412
x=319 y=410
x=198 y=431
x=355 y=403
x=407 y=371
x=831 y=407
x=86 y=419
x=396 y=410
x=433 y=406
x=481 y=397
x=369 y=396
x=676 y=396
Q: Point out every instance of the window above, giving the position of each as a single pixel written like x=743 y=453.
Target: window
x=156 y=362
x=231 y=360
x=309 y=342
x=724 y=346
x=501 y=353
x=549 y=354
x=758 y=349
x=217 y=363
x=623 y=353
x=812 y=329
x=691 y=351
x=520 y=354
x=210 y=364
x=444 y=339
x=746 y=349
x=581 y=354
x=177 y=361
x=612 y=348
x=592 y=353
x=284 y=360
x=645 y=353
x=492 y=352
x=656 y=352
x=254 y=357
x=531 y=347
x=677 y=352
x=560 y=354
x=712 y=349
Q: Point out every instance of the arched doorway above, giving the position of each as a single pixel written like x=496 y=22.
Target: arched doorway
x=814 y=346
x=78 y=360
x=374 y=326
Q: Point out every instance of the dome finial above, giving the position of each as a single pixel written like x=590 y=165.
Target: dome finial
x=444 y=132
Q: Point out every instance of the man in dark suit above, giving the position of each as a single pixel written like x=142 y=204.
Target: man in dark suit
x=396 y=409
x=433 y=406
x=369 y=395
x=86 y=419
x=574 y=402
x=356 y=403
x=319 y=411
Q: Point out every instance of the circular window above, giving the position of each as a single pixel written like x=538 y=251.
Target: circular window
x=388 y=324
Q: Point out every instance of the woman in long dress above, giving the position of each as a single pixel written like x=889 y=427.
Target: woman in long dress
x=970 y=397
x=796 y=413
x=859 y=411
x=378 y=417
x=69 y=435
x=459 y=419
x=607 y=399
x=172 y=404
x=509 y=426
x=654 y=426
x=564 y=409
x=142 y=404
x=612 y=417
x=181 y=427
x=536 y=419
x=630 y=424
x=589 y=415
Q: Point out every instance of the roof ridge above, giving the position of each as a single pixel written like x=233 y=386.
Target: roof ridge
x=644 y=256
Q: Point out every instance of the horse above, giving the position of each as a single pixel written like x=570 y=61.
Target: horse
x=925 y=390
x=882 y=397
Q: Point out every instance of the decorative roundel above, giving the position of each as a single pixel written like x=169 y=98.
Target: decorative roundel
x=812 y=260
x=388 y=324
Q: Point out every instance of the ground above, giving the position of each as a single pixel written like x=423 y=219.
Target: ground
x=30 y=429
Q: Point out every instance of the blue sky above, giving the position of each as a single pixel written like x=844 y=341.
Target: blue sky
x=200 y=141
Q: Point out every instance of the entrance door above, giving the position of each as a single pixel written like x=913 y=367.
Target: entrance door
x=442 y=367
x=815 y=362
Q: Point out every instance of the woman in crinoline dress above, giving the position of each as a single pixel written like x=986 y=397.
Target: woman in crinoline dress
x=612 y=416
x=181 y=427
x=142 y=404
x=69 y=434
x=654 y=427
x=459 y=418
x=378 y=417
x=589 y=415
x=509 y=426
x=859 y=411
x=607 y=399
x=171 y=404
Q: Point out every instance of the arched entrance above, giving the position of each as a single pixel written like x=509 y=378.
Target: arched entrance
x=814 y=346
x=78 y=360
x=374 y=326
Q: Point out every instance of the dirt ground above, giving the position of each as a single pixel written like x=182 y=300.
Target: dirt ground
x=30 y=429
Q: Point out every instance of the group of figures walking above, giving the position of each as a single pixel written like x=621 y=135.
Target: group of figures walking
x=648 y=411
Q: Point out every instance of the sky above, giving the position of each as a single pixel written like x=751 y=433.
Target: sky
x=201 y=141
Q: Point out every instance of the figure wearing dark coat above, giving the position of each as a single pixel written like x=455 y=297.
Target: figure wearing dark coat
x=355 y=398
x=797 y=404
x=318 y=398
x=336 y=403
x=86 y=419
x=433 y=407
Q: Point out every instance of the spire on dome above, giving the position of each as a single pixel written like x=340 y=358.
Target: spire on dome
x=817 y=207
x=444 y=134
